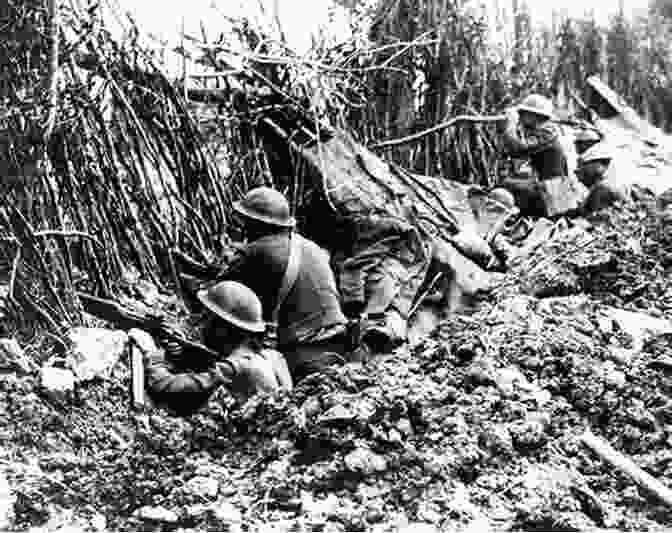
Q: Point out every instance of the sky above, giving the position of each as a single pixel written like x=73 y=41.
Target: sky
x=300 y=18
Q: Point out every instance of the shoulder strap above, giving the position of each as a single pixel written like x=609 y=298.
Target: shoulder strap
x=291 y=273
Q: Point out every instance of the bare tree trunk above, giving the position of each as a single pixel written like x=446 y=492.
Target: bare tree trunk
x=52 y=111
x=517 y=60
x=185 y=91
x=52 y=74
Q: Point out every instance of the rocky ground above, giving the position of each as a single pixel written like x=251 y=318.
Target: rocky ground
x=474 y=427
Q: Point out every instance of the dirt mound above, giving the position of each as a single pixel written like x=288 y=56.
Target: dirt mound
x=475 y=426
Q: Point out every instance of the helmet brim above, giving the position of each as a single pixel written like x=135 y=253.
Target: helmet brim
x=203 y=297
x=523 y=107
x=241 y=209
x=587 y=136
x=582 y=161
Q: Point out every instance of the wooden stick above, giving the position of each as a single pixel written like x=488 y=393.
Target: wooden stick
x=608 y=454
x=425 y=293
x=52 y=77
x=184 y=67
x=438 y=127
x=70 y=233
x=12 y=278
x=221 y=74
x=138 y=376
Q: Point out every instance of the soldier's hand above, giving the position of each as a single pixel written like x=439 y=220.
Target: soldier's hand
x=174 y=349
x=144 y=343
x=170 y=330
x=510 y=116
x=142 y=340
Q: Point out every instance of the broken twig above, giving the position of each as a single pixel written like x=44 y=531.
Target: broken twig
x=622 y=463
x=439 y=127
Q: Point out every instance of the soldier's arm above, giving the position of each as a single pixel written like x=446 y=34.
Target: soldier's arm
x=182 y=391
x=239 y=268
x=532 y=142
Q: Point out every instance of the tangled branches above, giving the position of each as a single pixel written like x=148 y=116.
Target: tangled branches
x=121 y=180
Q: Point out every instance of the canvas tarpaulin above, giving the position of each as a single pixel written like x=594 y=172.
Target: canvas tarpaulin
x=394 y=219
x=641 y=153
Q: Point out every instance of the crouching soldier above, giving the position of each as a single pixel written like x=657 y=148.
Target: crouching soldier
x=596 y=172
x=294 y=281
x=234 y=328
x=552 y=191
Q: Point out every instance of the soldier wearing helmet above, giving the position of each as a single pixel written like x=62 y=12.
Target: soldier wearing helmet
x=294 y=281
x=596 y=173
x=593 y=164
x=539 y=141
x=234 y=328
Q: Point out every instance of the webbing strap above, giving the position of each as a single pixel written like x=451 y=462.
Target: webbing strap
x=291 y=273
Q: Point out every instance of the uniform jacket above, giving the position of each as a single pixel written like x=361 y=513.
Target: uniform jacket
x=184 y=391
x=179 y=389
x=541 y=145
x=313 y=302
x=607 y=191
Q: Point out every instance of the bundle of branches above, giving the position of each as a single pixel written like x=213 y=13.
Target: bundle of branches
x=254 y=77
x=104 y=169
x=456 y=73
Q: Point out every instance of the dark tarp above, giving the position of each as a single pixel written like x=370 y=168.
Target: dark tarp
x=392 y=218
x=642 y=153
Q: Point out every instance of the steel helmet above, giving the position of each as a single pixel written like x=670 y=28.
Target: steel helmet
x=537 y=104
x=235 y=303
x=266 y=205
x=596 y=153
x=502 y=196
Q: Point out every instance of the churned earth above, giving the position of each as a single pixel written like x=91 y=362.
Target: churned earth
x=475 y=426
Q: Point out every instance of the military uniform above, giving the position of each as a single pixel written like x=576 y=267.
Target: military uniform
x=604 y=188
x=234 y=330
x=605 y=193
x=185 y=391
x=311 y=329
x=382 y=275
x=546 y=155
x=541 y=145
x=554 y=190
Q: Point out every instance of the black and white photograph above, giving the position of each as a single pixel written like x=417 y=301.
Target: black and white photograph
x=335 y=265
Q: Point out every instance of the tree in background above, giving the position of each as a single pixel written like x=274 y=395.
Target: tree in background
x=662 y=8
x=464 y=70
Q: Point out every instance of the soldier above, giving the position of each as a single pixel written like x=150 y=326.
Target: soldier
x=551 y=191
x=294 y=281
x=596 y=172
x=235 y=329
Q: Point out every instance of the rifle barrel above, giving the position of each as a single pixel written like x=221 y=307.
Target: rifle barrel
x=127 y=318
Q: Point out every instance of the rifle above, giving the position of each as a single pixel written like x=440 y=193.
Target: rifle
x=189 y=265
x=125 y=318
